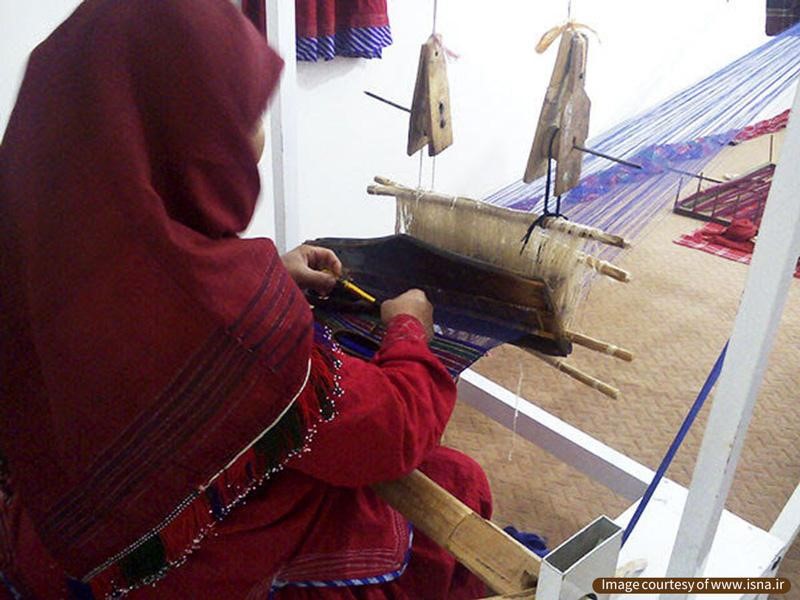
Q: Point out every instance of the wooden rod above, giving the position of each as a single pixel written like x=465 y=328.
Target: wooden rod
x=577 y=374
x=584 y=231
x=605 y=268
x=601 y=266
x=387 y=187
x=385 y=181
x=501 y=562
x=599 y=345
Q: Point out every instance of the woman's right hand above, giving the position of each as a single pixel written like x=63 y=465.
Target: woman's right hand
x=414 y=303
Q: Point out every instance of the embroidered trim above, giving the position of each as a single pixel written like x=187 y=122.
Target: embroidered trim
x=356 y=42
x=333 y=583
x=146 y=561
x=191 y=498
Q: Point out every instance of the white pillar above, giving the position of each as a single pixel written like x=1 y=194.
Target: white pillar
x=754 y=331
x=283 y=126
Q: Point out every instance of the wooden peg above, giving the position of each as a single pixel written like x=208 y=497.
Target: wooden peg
x=577 y=374
x=430 y=121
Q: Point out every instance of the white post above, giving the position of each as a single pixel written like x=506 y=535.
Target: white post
x=283 y=126
x=787 y=525
x=754 y=331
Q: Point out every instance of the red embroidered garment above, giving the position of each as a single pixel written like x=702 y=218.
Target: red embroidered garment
x=155 y=369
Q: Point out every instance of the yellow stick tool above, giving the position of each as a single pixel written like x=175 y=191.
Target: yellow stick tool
x=353 y=288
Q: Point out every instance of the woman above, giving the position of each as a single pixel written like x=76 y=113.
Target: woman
x=170 y=416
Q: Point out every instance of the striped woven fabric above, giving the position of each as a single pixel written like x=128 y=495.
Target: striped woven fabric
x=781 y=14
x=360 y=335
x=703 y=240
x=764 y=127
x=357 y=42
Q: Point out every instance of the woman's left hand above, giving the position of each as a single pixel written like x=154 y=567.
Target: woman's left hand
x=306 y=263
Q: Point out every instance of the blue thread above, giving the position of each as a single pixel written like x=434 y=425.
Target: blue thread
x=532 y=541
x=676 y=443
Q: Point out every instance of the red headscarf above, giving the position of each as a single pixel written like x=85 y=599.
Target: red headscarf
x=153 y=365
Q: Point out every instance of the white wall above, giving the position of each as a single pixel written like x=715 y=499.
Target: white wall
x=23 y=25
x=649 y=49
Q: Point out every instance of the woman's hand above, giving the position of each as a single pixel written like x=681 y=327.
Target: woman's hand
x=412 y=302
x=306 y=263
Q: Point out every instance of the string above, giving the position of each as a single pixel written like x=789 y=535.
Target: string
x=569 y=10
x=676 y=443
x=435 y=13
x=516 y=412
x=433 y=173
x=419 y=179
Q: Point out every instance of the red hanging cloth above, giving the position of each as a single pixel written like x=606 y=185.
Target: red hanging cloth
x=329 y=28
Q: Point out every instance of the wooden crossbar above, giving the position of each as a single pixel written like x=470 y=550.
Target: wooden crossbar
x=501 y=562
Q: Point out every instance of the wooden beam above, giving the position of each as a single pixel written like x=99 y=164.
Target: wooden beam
x=500 y=561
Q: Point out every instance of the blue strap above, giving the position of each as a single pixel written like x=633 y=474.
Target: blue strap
x=676 y=443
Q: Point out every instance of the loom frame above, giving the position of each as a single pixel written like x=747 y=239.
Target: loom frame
x=714 y=534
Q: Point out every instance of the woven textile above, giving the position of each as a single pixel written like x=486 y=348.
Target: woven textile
x=361 y=334
x=330 y=28
x=703 y=239
x=781 y=14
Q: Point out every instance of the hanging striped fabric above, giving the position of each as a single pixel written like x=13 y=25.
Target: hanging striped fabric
x=330 y=28
x=781 y=14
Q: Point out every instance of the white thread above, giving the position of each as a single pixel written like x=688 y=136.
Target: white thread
x=433 y=173
x=435 y=11
x=419 y=180
x=516 y=413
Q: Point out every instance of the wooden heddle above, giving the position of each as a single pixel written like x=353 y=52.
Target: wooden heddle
x=555 y=256
x=564 y=121
x=430 y=122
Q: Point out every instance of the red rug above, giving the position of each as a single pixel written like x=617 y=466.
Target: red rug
x=700 y=240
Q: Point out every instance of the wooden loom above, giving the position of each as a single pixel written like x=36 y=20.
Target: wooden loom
x=553 y=258
x=547 y=272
